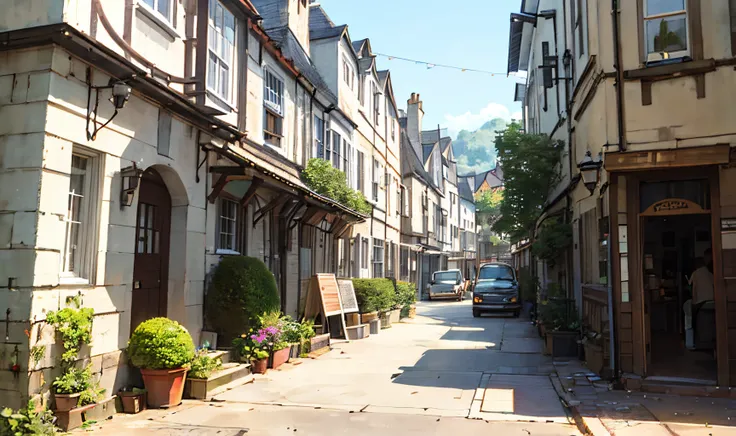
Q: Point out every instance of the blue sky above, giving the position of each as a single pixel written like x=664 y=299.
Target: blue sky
x=464 y=33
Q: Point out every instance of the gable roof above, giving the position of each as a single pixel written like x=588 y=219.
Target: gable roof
x=411 y=165
x=318 y=19
x=285 y=39
x=382 y=76
x=463 y=189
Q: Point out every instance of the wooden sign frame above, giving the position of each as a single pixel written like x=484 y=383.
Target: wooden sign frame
x=324 y=299
x=346 y=287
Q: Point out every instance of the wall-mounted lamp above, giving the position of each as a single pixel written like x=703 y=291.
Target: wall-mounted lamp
x=590 y=170
x=131 y=177
x=120 y=94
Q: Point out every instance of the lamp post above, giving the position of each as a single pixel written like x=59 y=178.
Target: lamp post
x=590 y=170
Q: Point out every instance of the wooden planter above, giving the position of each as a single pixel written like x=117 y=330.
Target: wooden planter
x=132 y=402
x=259 y=366
x=562 y=344
x=594 y=357
x=385 y=320
x=165 y=387
x=66 y=402
x=365 y=318
x=394 y=316
x=279 y=357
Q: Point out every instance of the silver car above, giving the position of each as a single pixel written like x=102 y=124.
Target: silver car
x=447 y=284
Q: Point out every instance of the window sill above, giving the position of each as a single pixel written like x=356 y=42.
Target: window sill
x=73 y=281
x=225 y=252
x=158 y=19
x=220 y=101
x=659 y=71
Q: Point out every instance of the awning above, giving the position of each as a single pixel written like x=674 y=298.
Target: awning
x=518 y=44
x=429 y=249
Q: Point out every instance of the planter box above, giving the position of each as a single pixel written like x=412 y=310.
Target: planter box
x=385 y=320
x=66 y=402
x=368 y=317
x=352 y=319
x=231 y=375
x=375 y=326
x=101 y=411
x=394 y=316
x=358 y=332
x=279 y=357
x=562 y=344
x=594 y=357
x=319 y=342
x=132 y=402
x=165 y=387
x=259 y=366
x=71 y=419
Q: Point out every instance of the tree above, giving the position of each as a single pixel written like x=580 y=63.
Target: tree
x=320 y=176
x=488 y=206
x=531 y=169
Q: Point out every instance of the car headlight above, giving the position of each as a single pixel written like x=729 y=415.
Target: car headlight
x=477 y=299
x=512 y=300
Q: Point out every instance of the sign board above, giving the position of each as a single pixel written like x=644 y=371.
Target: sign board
x=347 y=295
x=673 y=206
x=323 y=298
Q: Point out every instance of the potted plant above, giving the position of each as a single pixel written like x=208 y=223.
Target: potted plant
x=253 y=349
x=559 y=318
x=199 y=374
x=406 y=296
x=593 y=346
x=374 y=296
x=163 y=350
x=133 y=399
x=68 y=388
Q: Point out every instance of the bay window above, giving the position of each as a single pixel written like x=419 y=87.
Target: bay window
x=665 y=29
x=221 y=40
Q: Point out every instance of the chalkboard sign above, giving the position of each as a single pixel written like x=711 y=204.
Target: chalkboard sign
x=347 y=294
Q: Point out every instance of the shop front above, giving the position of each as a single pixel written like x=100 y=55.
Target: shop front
x=673 y=239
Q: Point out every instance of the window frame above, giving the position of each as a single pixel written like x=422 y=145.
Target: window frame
x=379 y=252
x=90 y=212
x=275 y=109
x=319 y=137
x=376 y=179
x=228 y=63
x=169 y=17
x=364 y=253
x=360 y=165
x=645 y=18
x=236 y=222
x=348 y=76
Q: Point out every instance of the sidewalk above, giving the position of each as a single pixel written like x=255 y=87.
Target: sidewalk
x=604 y=412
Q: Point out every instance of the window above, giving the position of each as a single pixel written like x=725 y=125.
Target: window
x=376 y=178
x=347 y=73
x=359 y=173
x=378 y=249
x=227 y=232
x=221 y=39
x=336 y=144
x=364 y=253
x=376 y=102
x=393 y=127
x=319 y=136
x=163 y=7
x=404 y=263
x=399 y=196
x=453 y=202
x=361 y=90
x=579 y=25
x=77 y=260
x=328 y=146
x=404 y=201
x=346 y=161
x=273 y=114
x=665 y=29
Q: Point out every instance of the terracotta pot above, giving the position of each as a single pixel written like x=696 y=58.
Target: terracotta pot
x=259 y=366
x=132 y=402
x=165 y=387
x=66 y=402
x=412 y=311
x=279 y=357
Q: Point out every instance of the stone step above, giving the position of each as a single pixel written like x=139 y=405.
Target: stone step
x=231 y=375
x=224 y=355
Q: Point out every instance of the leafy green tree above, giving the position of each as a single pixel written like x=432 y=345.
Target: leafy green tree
x=320 y=176
x=531 y=169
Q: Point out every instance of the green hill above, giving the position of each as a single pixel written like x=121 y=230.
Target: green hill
x=475 y=151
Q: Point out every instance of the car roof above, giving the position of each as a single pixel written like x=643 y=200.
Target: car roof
x=447 y=270
x=497 y=263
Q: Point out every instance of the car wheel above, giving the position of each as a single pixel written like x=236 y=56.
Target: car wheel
x=429 y=297
x=516 y=314
x=476 y=313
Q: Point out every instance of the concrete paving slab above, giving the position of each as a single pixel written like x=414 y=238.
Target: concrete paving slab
x=525 y=398
x=522 y=345
x=520 y=330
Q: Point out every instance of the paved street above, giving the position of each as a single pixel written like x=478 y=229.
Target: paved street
x=440 y=373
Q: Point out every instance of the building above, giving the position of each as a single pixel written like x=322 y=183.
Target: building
x=646 y=88
x=131 y=162
x=491 y=247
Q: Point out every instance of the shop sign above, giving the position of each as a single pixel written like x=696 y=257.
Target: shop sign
x=673 y=206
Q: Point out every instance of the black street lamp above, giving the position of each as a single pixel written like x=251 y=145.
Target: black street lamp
x=590 y=170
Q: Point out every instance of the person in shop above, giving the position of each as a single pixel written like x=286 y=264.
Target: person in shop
x=701 y=283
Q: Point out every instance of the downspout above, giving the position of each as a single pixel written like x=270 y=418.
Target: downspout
x=619 y=76
x=611 y=320
x=296 y=116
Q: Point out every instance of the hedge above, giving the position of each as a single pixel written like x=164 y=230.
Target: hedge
x=374 y=294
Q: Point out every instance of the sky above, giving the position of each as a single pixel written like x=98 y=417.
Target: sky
x=464 y=33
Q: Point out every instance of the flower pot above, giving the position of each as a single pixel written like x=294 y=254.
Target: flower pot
x=412 y=311
x=365 y=318
x=259 y=366
x=66 y=402
x=594 y=357
x=385 y=320
x=279 y=357
x=394 y=315
x=375 y=326
x=132 y=402
x=563 y=344
x=165 y=387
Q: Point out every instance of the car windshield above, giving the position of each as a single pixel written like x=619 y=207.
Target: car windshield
x=446 y=277
x=496 y=272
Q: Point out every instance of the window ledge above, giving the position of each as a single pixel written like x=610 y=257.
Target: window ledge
x=158 y=19
x=686 y=68
x=220 y=102
x=71 y=281
x=225 y=252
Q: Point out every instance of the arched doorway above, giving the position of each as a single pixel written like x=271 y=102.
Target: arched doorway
x=151 y=265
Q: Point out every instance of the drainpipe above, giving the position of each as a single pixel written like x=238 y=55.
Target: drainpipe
x=611 y=319
x=619 y=75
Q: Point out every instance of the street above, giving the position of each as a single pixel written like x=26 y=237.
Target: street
x=443 y=372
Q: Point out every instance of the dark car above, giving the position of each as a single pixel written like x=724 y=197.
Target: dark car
x=496 y=290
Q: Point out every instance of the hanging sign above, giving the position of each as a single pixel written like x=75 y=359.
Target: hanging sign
x=347 y=295
x=673 y=206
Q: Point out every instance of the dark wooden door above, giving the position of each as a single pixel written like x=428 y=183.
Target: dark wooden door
x=151 y=267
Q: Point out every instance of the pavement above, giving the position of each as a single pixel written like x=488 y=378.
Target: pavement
x=437 y=374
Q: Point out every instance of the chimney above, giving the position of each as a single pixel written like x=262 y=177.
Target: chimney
x=414 y=115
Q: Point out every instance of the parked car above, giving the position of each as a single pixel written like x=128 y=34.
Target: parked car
x=496 y=289
x=447 y=284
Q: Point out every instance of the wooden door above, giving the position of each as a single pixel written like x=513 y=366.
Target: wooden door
x=151 y=266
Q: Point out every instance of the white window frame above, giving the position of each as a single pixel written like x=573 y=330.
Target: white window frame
x=273 y=101
x=168 y=17
x=336 y=150
x=85 y=270
x=376 y=179
x=234 y=219
x=654 y=57
x=348 y=76
x=379 y=251
x=319 y=137
x=216 y=42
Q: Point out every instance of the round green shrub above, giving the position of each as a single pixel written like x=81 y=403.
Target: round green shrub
x=242 y=289
x=160 y=343
x=374 y=294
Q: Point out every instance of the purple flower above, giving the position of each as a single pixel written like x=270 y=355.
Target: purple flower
x=272 y=330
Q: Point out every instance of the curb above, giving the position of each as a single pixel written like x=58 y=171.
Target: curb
x=589 y=426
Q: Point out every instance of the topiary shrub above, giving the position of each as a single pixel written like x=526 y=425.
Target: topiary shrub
x=242 y=289
x=160 y=343
x=406 y=294
x=374 y=294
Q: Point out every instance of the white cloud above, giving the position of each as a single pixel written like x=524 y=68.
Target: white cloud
x=516 y=116
x=472 y=121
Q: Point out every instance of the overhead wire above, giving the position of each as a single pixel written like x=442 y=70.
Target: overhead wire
x=431 y=65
